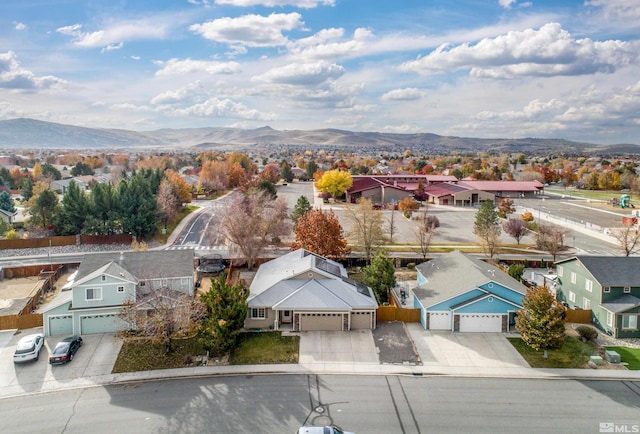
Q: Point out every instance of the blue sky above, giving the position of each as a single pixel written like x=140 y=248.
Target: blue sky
x=473 y=68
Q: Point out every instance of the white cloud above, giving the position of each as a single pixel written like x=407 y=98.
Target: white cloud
x=319 y=47
x=250 y=30
x=185 y=66
x=406 y=94
x=303 y=74
x=20 y=26
x=549 y=51
x=219 y=108
x=192 y=92
x=616 y=10
x=113 y=47
x=506 y=3
x=13 y=76
x=304 y=4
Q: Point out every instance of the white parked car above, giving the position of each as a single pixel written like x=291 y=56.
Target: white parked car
x=29 y=348
x=332 y=429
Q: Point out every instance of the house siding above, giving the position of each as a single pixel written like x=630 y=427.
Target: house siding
x=250 y=323
x=504 y=292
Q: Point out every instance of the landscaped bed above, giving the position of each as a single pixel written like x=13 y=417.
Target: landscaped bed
x=252 y=349
x=630 y=356
x=573 y=354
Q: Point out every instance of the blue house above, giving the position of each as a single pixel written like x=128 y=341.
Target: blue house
x=461 y=293
x=104 y=282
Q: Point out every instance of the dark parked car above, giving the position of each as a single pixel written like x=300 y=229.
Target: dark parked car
x=65 y=350
x=211 y=264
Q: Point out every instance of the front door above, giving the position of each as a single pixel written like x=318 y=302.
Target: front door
x=286 y=317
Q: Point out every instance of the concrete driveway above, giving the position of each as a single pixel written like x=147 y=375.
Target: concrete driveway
x=465 y=350
x=96 y=357
x=322 y=350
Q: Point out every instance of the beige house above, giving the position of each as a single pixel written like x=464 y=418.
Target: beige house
x=302 y=291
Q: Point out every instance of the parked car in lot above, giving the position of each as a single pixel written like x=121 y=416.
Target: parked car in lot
x=29 y=348
x=331 y=429
x=65 y=350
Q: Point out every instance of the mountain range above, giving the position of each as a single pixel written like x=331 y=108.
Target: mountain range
x=25 y=133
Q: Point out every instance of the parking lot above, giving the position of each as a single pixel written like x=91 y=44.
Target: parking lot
x=96 y=357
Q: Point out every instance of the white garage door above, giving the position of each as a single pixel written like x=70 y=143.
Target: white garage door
x=481 y=323
x=439 y=321
x=320 y=321
x=60 y=325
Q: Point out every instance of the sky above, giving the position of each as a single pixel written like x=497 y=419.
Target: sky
x=471 y=68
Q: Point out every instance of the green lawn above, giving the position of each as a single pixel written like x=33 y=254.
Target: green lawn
x=631 y=356
x=263 y=348
x=591 y=194
x=252 y=349
x=162 y=238
x=574 y=354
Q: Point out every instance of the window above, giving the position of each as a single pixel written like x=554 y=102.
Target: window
x=630 y=322
x=572 y=296
x=606 y=289
x=586 y=303
x=103 y=277
x=258 y=313
x=627 y=289
x=573 y=277
x=93 y=294
x=560 y=271
x=588 y=285
x=609 y=319
x=120 y=288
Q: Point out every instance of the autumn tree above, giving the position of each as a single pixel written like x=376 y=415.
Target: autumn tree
x=366 y=226
x=213 y=175
x=379 y=275
x=163 y=314
x=226 y=311
x=301 y=207
x=541 y=320
x=628 y=238
x=487 y=227
x=335 y=182
x=271 y=173
x=506 y=207
x=167 y=202
x=180 y=188
x=425 y=231
x=408 y=205
x=320 y=232
x=550 y=238
x=515 y=228
x=254 y=221
x=526 y=217
x=237 y=175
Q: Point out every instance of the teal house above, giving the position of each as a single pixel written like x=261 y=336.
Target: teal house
x=92 y=302
x=462 y=293
x=608 y=285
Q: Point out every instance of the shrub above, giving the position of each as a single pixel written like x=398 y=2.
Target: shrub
x=587 y=333
x=411 y=265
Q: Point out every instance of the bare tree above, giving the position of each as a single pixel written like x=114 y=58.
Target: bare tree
x=392 y=222
x=551 y=239
x=163 y=314
x=366 y=229
x=515 y=228
x=167 y=202
x=254 y=221
x=628 y=238
x=424 y=232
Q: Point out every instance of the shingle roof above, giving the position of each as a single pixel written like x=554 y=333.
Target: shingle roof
x=612 y=270
x=622 y=304
x=503 y=185
x=455 y=273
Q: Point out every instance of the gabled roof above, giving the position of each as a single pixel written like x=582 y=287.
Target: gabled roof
x=61 y=298
x=622 y=304
x=611 y=270
x=455 y=273
x=134 y=266
x=294 y=264
x=502 y=185
x=444 y=189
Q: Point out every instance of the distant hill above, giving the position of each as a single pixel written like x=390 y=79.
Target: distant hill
x=29 y=134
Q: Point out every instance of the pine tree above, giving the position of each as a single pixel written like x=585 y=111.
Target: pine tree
x=541 y=321
x=301 y=208
x=73 y=213
x=380 y=276
x=487 y=227
x=6 y=203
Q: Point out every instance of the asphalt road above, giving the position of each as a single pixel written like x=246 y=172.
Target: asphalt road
x=363 y=404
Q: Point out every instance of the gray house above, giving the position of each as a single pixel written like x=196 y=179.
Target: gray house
x=302 y=291
x=104 y=282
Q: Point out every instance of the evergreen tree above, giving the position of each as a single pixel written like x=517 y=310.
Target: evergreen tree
x=48 y=171
x=487 y=227
x=81 y=169
x=311 y=168
x=102 y=211
x=285 y=171
x=301 y=208
x=138 y=210
x=6 y=203
x=44 y=208
x=227 y=310
x=6 y=177
x=27 y=188
x=73 y=213
x=541 y=321
x=380 y=276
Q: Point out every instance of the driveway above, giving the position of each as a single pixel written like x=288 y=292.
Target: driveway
x=96 y=357
x=481 y=350
x=321 y=350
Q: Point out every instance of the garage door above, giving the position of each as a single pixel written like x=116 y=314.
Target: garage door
x=100 y=324
x=320 y=321
x=439 y=320
x=60 y=325
x=360 y=320
x=481 y=323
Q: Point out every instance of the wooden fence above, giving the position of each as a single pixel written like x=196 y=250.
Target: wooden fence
x=395 y=313
x=69 y=240
x=10 y=322
x=580 y=316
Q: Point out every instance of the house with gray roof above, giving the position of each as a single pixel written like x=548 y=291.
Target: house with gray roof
x=461 y=293
x=302 y=291
x=92 y=302
x=608 y=285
